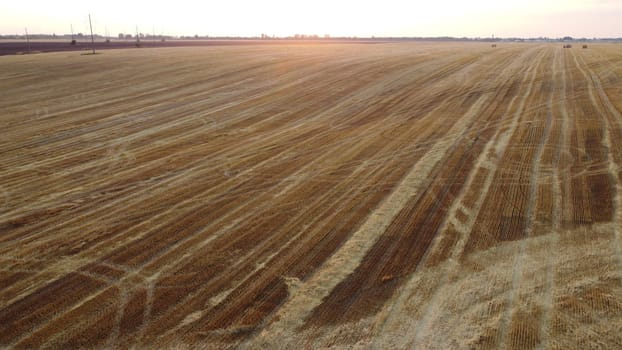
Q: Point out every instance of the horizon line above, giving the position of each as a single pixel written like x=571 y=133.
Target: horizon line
x=297 y=37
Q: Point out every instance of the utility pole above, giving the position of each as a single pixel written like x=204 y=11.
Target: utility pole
x=73 y=39
x=137 y=38
x=27 y=39
x=92 y=38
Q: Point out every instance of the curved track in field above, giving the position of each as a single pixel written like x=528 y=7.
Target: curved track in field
x=372 y=196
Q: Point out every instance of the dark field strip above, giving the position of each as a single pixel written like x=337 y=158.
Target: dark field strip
x=15 y=47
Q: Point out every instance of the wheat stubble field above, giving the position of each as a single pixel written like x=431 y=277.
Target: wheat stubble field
x=406 y=195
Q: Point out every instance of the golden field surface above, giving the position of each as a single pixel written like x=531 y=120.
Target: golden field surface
x=395 y=195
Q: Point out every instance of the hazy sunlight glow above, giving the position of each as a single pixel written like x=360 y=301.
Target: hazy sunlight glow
x=363 y=18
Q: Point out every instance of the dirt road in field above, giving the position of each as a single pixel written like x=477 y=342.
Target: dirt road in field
x=410 y=195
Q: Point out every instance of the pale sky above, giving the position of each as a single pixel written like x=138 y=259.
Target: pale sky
x=362 y=18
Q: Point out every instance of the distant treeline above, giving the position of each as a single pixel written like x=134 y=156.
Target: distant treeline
x=144 y=36
x=85 y=36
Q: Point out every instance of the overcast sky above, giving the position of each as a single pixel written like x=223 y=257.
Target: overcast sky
x=473 y=18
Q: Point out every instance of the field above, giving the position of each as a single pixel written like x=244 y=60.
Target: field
x=428 y=195
x=21 y=47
